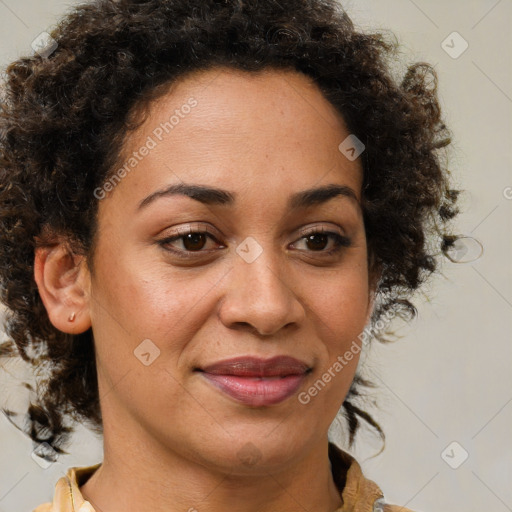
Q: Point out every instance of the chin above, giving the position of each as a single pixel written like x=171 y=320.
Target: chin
x=253 y=454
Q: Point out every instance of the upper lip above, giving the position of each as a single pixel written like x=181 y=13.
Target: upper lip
x=249 y=366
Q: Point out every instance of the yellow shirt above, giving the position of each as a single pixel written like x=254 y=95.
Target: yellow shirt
x=357 y=492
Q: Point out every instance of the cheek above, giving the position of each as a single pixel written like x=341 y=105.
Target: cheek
x=341 y=301
x=341 y=308
x=137 y=300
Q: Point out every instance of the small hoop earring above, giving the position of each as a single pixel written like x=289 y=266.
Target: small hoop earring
x=72 y=317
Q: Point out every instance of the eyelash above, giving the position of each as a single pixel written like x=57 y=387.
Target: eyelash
x=340 y=241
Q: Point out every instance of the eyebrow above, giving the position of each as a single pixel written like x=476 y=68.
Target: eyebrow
x=216 y=196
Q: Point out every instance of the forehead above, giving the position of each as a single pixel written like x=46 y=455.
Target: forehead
x=238 y=130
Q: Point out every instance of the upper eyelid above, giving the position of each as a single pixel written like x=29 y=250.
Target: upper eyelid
x=303 y=231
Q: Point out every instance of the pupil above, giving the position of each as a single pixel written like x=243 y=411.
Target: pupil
x=316 y=236
x=195 y=238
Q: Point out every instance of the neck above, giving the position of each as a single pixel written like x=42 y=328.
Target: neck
x=150 y=477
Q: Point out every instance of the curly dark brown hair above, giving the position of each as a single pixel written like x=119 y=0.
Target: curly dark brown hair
x=64 y=117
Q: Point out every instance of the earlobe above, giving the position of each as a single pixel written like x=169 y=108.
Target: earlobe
x=62 y=280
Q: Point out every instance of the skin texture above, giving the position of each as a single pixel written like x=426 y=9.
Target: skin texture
x=171 y=440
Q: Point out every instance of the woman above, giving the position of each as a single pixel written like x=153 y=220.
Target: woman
x=206 y=207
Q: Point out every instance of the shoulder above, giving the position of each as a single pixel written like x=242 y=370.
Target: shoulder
x=393 y=508
x=45 y=507
x=67 y=496
x=381 y=506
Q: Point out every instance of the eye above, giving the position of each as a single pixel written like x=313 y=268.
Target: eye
x=317 y=239
x=194 y=241
x=191 y=241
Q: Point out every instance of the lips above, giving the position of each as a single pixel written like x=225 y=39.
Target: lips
x=257 y=382
x=279 y=366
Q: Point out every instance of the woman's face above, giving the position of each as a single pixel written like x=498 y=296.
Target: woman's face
x=253 y=282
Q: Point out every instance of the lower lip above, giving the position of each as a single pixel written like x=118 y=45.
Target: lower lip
x=256 y=391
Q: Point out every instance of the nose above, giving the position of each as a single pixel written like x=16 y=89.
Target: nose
x=260 y=298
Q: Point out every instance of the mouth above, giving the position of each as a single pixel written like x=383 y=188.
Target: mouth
x=257 y=382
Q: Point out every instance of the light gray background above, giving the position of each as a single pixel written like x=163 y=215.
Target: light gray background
x=448 y=379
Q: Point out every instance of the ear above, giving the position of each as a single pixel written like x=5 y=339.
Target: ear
x=371 y=301
x=63 y=281
x=374 y=277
